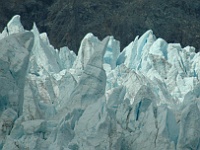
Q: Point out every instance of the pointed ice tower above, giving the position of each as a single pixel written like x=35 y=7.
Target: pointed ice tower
x=13 y=26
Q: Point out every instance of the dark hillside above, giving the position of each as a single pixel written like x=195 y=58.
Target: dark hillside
x=67 y=21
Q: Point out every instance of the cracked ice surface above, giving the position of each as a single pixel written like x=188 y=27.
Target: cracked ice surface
x=145 y=97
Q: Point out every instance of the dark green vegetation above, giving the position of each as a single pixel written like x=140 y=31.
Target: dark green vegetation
x=67 y=21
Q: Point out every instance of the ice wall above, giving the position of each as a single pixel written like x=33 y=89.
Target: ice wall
x=145 y=97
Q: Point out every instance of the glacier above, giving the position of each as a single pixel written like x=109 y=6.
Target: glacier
x=145 y=97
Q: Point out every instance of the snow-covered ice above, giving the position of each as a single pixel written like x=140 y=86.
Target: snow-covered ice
x=145 y=97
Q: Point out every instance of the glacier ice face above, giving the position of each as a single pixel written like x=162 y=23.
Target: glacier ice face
x=169 y=63
x=145 y=97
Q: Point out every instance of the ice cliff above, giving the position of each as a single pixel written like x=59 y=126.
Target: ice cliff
x=143 y=98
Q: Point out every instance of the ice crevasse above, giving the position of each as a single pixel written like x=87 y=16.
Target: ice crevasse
x=145 y=97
